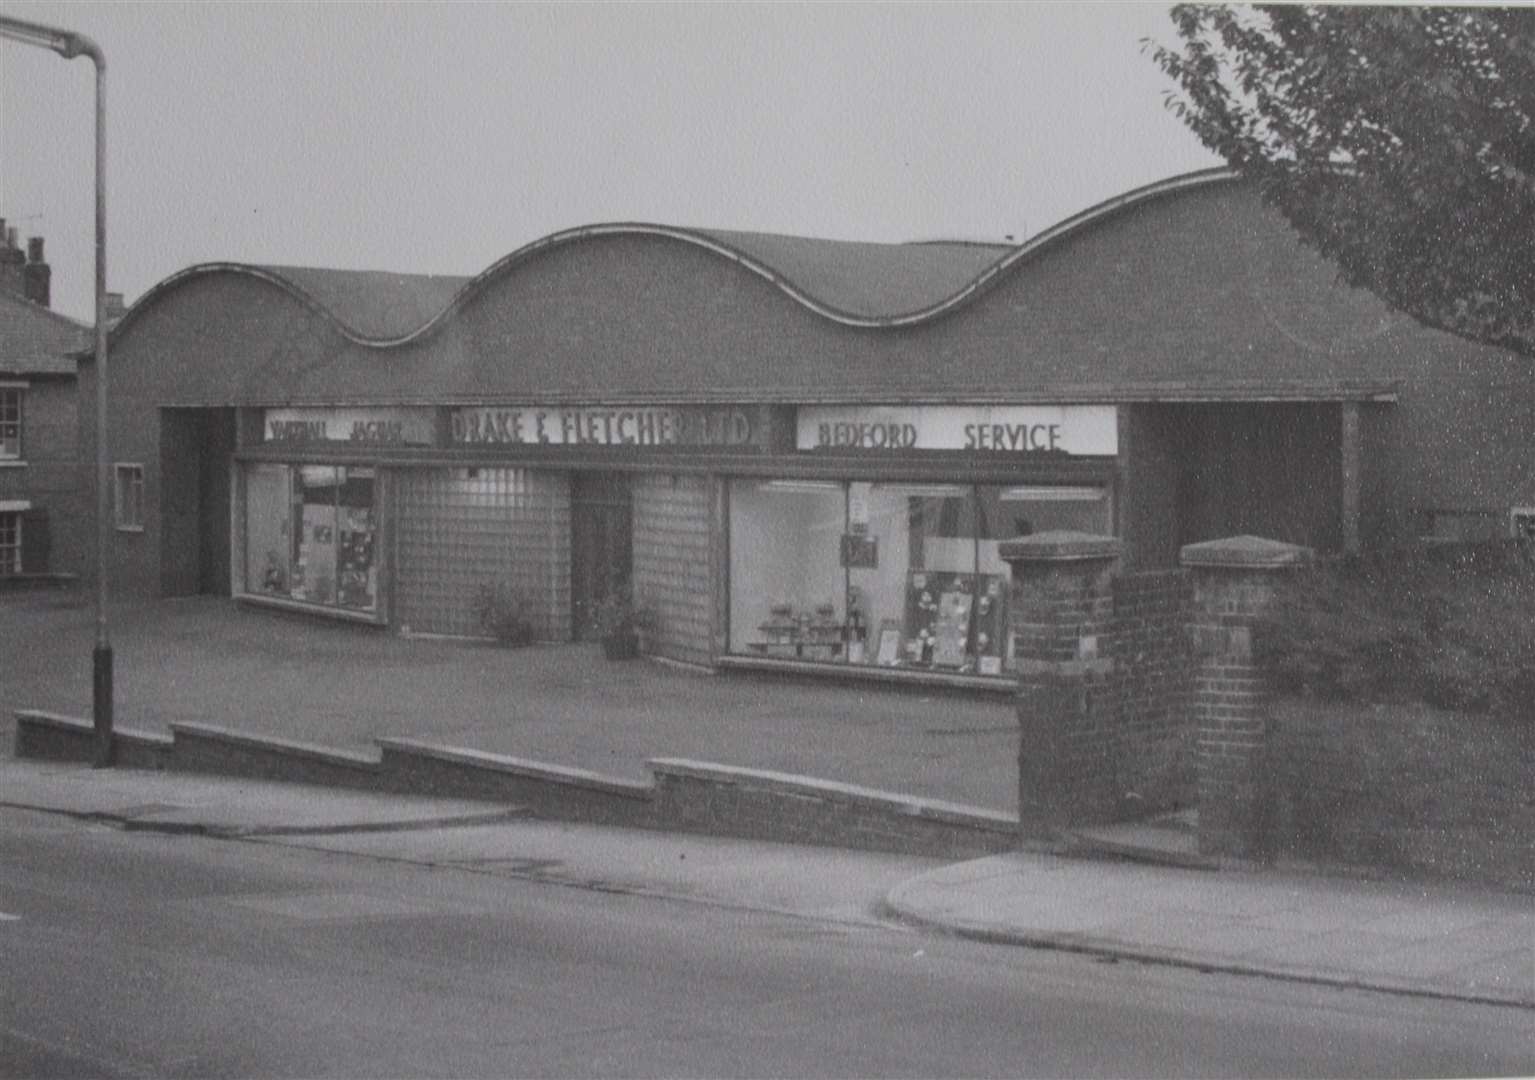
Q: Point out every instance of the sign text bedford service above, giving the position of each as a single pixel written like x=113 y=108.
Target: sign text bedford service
x=1012 y=429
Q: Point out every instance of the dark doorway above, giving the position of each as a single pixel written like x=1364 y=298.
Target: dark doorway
x=195 y=450
x=601 y=530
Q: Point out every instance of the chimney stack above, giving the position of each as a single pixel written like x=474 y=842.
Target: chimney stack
x=36 y=275
x=116 y=309
x=12 y=261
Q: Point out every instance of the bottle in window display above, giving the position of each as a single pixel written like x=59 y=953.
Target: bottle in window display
x=780 y=629
x=857 y=631
x=991 y=629
x=825 y=632
x=922 y=593
x=356 y=558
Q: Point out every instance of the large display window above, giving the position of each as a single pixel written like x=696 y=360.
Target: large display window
x=311 y=535
x=887 y=574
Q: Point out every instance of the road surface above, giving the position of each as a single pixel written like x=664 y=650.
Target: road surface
x=136 y=954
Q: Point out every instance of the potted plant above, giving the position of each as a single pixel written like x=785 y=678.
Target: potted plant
x=504 y=614
x=619 y=622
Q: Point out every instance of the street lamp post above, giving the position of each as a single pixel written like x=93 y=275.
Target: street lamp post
x=69 y=45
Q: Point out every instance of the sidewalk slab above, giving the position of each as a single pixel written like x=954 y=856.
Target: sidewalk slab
x=186 y=802
x=828 y=884
x=1437 y=941
x=846 y=887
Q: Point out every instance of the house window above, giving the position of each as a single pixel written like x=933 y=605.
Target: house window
x=10 y=544
x=10 y=422
x=130 y=497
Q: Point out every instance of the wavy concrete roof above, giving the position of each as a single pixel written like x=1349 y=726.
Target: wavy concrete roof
x=373 y=304
x=854 y=283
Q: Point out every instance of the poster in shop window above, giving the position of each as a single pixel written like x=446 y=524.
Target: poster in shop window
x=990 y=624
x=938 y=608
x=952 y=627
x=956 y=621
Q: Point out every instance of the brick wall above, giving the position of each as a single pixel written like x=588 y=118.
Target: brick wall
x=1137 y=692
x=675 y=563
x=133 y=437
x=1150 y=646
x=51 y=477
x=1061 y=614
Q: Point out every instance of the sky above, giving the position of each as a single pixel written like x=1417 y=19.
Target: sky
x=436 y=138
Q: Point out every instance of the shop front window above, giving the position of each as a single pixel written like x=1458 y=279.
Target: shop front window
x=887 y=574
x=311 y=535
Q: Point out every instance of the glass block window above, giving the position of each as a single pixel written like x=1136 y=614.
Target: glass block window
x=462 y=531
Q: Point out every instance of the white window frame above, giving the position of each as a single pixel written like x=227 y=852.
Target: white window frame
x=20 y=390
x=120 y=517
x=14 y=508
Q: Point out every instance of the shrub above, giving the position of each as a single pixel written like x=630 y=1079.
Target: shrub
x=505 y=614
x=617 y=614
x=1448 y=627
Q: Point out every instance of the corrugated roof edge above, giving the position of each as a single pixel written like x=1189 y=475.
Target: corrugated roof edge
x=711 y=242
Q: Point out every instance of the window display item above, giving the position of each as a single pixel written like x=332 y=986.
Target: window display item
x=310 y=534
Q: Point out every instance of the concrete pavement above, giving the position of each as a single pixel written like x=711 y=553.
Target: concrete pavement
x=206 y=660
x=1438 y=941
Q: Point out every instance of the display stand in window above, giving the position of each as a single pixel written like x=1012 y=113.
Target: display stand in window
x=802 y=635
x=954 y=621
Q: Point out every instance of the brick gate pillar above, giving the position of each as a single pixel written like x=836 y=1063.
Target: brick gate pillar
x=1234 y=588
x=1060 y=609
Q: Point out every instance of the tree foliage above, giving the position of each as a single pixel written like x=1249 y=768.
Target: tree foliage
x=1398 y=141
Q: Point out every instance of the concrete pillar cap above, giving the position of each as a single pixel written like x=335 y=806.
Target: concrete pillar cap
x=1245 y=552
x=1059 y=545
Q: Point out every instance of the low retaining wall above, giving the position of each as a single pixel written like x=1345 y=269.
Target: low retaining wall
x=51 y=737
x=205 y=749
x=551 y=791
x=684 y=796
x=694 y=796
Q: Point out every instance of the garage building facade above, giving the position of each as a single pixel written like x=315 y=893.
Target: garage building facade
x=794 y=451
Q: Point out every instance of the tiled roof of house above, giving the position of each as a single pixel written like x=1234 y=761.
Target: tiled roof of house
x=37 y=341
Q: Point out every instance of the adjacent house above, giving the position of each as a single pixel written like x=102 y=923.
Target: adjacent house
x=41 y=482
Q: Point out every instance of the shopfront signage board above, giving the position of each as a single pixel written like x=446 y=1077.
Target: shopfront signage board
x=1077 y=430
x=661 y=425
x=386 y=426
